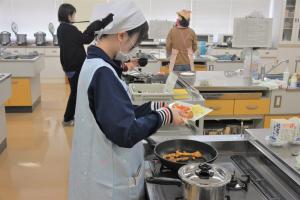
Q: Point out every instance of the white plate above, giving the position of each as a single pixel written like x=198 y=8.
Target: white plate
x=205 y=112
x=187 y=73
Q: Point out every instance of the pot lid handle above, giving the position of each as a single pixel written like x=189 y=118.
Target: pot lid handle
x=204 y=171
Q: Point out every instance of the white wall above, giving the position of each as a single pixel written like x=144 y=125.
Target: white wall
x=84 y=9
x=208 y=16
x=30 y=15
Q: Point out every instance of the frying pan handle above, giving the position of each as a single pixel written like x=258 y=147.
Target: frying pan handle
x=163 y=181
x=151 y=142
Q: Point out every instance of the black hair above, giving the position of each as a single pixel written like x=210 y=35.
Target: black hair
x=184 y=22
x=65 y=10
x=142 y=30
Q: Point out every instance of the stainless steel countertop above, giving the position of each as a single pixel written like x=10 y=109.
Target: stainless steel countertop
x=201 y=138
x=284 y=158
x=22 y=60
x=33 y=45
x=217 y=81
x=3 y=77
x=281 y=157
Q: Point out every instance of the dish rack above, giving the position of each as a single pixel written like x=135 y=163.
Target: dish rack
x=150 y=92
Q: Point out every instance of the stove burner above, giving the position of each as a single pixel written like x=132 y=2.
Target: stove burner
x=238 y=183
x=164 y=169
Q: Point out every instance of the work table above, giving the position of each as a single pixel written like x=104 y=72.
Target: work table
x=22 y=67
x=26 y=89
x=32 y=45
x=240 y=155
x=3 y=77
x=218 y=81
x=5 y=93
x=282 y=157
x=285 y=156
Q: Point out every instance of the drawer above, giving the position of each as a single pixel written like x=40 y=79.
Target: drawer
x=200 y=68
x=21 y=93
x=39 y=50
x=252 y=107
x=220 y=107
x=52 y=52
x=17 y=50
x=268 y=53
x=164 y=69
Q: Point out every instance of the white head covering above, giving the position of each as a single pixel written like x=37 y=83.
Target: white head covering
x=127 y=16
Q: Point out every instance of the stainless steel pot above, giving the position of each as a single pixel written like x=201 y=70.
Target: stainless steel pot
x=5 y=38
x=21 y=39
x=204 y=181
x=40 y=38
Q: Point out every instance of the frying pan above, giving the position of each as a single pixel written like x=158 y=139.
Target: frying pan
x=210 y=154
x=170 y=146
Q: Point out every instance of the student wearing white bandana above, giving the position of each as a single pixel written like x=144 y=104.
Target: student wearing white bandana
x=107 y=154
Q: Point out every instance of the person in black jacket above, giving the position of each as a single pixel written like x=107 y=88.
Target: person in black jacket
x=72 y=52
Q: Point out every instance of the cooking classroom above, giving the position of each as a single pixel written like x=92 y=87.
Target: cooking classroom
x=149 y=100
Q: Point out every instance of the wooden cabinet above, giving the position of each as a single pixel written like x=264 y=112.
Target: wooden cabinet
x=165 y=69
x=267 y=120
x=21 y=93
x=252 y=107
x=220 y=107
x=200 y=67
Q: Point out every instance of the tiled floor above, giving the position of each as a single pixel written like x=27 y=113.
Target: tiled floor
x=35 y=164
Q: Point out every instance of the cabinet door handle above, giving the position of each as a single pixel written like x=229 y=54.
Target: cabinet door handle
x=216 y=108
x=252 y=107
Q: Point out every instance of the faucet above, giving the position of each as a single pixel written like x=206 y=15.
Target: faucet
x=263 y=71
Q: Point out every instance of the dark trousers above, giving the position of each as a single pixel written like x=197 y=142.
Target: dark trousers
x=70 y=109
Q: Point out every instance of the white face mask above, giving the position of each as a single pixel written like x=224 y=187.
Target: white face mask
x=125 y=56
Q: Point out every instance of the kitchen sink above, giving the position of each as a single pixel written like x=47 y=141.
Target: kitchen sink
x=27 y=56
x=275 y=76
x=20 y=57
x=10 y=57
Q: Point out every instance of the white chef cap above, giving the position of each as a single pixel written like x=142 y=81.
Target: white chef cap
x=127 y=16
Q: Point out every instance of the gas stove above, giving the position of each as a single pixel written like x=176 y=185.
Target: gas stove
x=254 y=177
